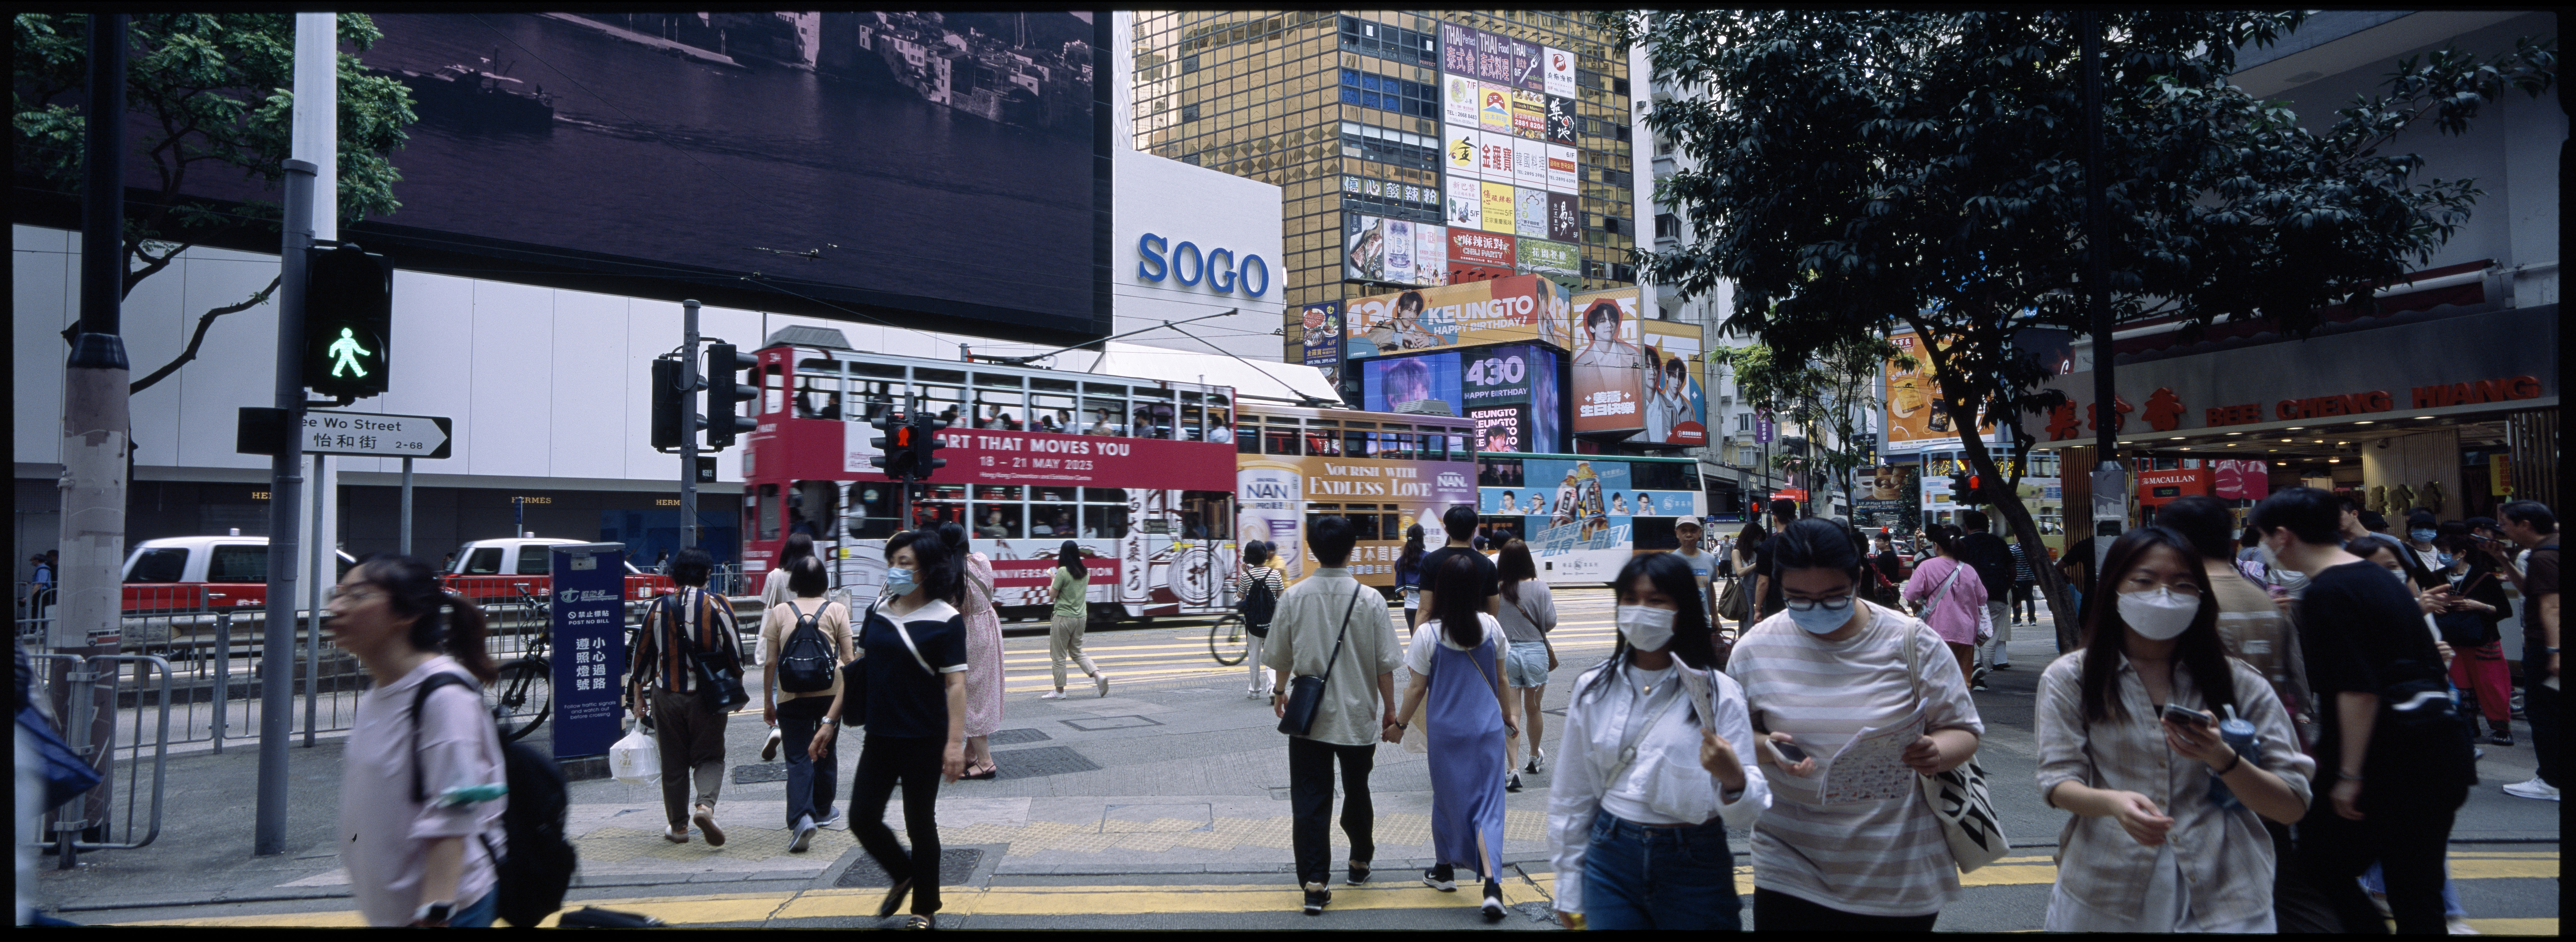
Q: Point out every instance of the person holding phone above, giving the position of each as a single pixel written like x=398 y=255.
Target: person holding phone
x=2128 y=743
x=2474 y=606
x=1816 y=675
x=1656 y=764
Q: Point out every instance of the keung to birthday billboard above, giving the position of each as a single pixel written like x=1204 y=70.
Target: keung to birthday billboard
x=1520 y=308
x=1608 y=363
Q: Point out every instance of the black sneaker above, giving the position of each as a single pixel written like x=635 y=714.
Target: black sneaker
x=1442 y=877
x=1316 y=897
x=1493 y=905
x=1359 y=872
x=2500 y=738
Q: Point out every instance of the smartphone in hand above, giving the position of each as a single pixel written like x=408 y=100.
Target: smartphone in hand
x=1789 y=751
x=2184 y=715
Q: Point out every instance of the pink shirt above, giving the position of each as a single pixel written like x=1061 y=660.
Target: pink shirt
x=384 y=834
x=1955 y=618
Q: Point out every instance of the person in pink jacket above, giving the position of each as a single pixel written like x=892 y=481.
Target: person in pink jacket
x=1951 y=596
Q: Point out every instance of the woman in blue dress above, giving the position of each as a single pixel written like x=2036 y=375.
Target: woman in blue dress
x=1457 y=665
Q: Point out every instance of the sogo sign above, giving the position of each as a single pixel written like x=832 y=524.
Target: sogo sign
x=1157 y=259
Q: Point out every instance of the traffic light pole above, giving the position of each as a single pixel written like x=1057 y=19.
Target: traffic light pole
x=2110 y=480
x=285 y=524
x=689 y=424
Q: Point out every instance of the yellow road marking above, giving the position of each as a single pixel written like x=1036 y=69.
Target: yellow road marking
x=2515 y=926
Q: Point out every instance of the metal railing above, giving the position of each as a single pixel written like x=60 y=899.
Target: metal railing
x=94 y=820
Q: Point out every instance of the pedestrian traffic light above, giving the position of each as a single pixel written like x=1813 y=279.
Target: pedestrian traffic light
x=894 y=446
x=348 y=322
x=669 y=404
x=725 y=394
x=925 y=441
x=1963 y=488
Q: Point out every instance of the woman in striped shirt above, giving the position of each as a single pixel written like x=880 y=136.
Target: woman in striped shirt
x=1815 y=675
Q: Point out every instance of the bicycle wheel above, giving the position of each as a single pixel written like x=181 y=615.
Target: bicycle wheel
x=522 y=696
x=1226 y=640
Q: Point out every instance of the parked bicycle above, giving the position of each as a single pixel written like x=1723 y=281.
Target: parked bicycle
x=524 y=695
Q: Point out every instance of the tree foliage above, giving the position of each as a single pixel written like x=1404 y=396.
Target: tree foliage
x=1926 y=167
x=1828 y=393
x=209 y=99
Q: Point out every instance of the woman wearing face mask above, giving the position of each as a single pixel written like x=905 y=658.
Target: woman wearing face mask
x=2475 y=603
x=1654 y=765
x=2421 y=534
x=1815 y=675
x=2154 y=844
x=912 y=650
x=1457 y=665
x=1064 y=636
x=1950 y=595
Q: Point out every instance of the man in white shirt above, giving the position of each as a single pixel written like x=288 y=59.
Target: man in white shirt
x=1703 y=564
x=1332 y=627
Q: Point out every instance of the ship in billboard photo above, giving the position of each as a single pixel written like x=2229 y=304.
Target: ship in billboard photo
x=938 y=162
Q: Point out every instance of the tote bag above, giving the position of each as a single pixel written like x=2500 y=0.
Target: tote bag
x=1959 y=798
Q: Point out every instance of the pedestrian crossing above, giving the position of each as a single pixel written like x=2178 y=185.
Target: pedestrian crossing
x=1205 y=896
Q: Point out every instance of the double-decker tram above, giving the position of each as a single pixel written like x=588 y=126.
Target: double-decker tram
x=1157 y=481
x=1585 y=515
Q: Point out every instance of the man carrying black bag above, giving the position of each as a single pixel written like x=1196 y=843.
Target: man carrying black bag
x=689 y=664
x=1332 y=634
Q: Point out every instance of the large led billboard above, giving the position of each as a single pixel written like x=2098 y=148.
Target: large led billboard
x=1399 y=382
x=834 y=163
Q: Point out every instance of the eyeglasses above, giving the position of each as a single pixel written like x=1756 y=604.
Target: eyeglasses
x=1835 y=604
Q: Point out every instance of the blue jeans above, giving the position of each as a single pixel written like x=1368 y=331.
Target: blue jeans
x=810 y=784
x=1639 y=877
x=477 y=915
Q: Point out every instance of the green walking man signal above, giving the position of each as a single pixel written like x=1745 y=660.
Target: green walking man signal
x=348 y=319
x=345 y=352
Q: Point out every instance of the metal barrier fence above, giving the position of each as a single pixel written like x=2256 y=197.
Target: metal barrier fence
x=217 y=660
x=110 y=816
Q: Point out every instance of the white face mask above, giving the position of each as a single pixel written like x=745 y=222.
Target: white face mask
x=2158 y=614
x=1647 y=629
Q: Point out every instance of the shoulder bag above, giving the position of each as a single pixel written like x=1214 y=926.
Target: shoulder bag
x=854 y=680
x=718 y=673
x=1958 y=797
x=1730 y=603
x=1306 y=691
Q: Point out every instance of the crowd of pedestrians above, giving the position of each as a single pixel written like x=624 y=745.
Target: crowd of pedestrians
x=2252 y=732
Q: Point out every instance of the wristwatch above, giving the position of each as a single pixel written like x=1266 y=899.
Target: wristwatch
x=433 y=913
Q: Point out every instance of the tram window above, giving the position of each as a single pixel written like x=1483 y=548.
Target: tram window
x=1247 y=440
x=1499 y=529
x=1052 y=412
x=773 y=389
x=1045 y=494
x=1279 y=440
x=1103 y=521
x=1653 y=533
x=1104 y=416
x=1220 y=427
x=765 y=512
x=1203 y=514
x=1395 y=445
x=1054 y=521
x=1152 y=420
x=872 y=511
x=1356 y=444
x=1323 y=442
x=1193 y=418
x=997 y=521
x=1002 y=415
x=1491 y=472
x=1363 y=525
x=1457 y=444
x=1662 y=476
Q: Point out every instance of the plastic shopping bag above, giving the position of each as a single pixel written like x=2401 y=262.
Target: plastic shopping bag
x=636 y=759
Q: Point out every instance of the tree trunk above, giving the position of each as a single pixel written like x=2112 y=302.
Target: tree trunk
x=2051 y=584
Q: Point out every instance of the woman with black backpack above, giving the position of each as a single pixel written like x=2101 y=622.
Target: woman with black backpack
x=418 y=859
x=1258 y=585
x=810 y=637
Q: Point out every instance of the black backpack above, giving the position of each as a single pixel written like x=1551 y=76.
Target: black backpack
x=535 y=865
x=806 y=662
x=1258 y=607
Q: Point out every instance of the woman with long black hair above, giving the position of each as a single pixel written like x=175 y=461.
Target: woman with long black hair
x=1457 y=665
x=912 y=652
x=416 y=840
x=1655 y=763
x=2473 y=608
x=1072 y=613
x=2167 y=833
x=1408 y=573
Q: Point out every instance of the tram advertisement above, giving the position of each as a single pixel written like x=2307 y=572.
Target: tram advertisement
x=980 y=456
x=1579 y=516
x=1274 y=493
x=1894 y=500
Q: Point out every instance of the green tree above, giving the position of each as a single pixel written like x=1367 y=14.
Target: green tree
x=1926 y=168
x=1826 y=393
x=210 y=97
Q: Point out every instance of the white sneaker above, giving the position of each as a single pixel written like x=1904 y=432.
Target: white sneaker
x=2533 y=789
x=1058 y=695
x=2459 y=925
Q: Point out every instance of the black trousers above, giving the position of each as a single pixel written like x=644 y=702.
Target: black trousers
x=885 y=761
x=1775 y=911
x=1310 y=800
x=2025 y=605
x=2299 y=907
x=811 y=783
x=2540 y=708
x=2406 y=832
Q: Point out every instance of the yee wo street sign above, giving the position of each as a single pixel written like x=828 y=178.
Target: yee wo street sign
x=373 y=435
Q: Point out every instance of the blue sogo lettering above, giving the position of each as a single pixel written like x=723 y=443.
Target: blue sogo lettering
x=1252 y=263
x=1220 y=287
x=1200 y=271
x=1149 y=252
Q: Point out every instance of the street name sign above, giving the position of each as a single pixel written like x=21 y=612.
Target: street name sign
x=375 y=435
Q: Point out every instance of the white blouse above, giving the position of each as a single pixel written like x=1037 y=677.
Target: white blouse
x=1665 y=784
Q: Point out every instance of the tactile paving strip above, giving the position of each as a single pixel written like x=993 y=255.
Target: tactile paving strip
x=956 y=866
x=1013 y=737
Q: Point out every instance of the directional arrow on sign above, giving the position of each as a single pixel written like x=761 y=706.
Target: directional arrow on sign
x=374 y=435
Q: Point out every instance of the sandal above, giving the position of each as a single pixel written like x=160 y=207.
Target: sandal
x=989 y=773
x=894 y=899
x=917 y=921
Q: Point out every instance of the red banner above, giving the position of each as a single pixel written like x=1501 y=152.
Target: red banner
x=980 y=456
